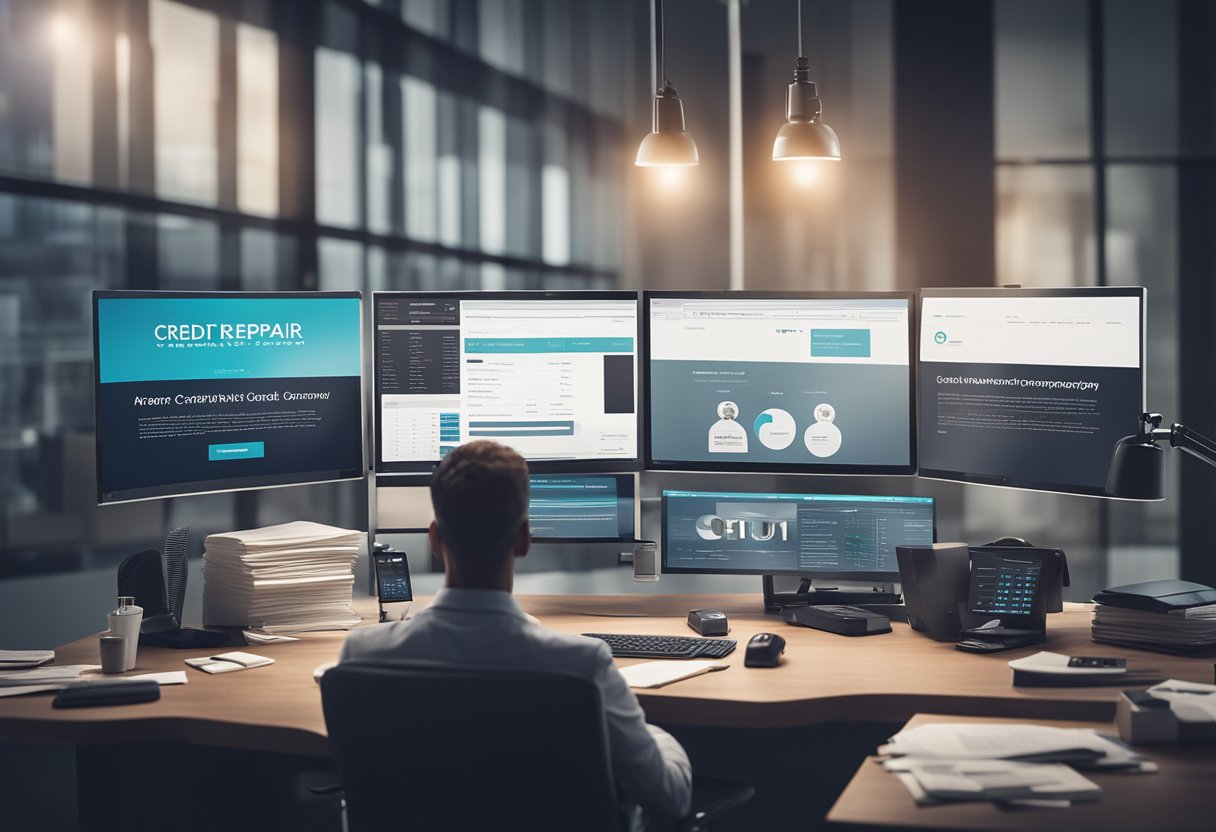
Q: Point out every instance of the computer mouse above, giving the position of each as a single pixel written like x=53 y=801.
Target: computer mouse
x=764 y=650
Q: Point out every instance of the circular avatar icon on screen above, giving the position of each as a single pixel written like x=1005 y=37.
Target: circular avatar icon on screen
x=823 y=438
x=727 y=436
x=775 y=428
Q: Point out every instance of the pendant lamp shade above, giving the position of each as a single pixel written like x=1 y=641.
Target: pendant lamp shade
x=668 y=143
x=804 y=135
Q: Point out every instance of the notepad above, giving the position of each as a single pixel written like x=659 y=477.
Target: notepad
x=229 y=662
x=656 y=674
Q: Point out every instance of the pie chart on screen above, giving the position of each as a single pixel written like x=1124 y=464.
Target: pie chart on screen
x=775 y=429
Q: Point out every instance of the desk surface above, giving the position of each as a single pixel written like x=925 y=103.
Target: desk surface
x=1178 y=796
x=824 y=678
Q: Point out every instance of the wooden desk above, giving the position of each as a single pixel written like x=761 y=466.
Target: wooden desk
x=824 y=678
x=1179 y=796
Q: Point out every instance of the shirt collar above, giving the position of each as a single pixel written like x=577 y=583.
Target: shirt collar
x=476 y=600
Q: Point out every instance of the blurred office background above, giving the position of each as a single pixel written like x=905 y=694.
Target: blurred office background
x=421 y=144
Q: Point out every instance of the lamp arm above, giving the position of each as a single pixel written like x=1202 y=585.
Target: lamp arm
x=1193 y=442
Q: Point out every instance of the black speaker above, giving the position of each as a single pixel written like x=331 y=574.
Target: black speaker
x=935 y=579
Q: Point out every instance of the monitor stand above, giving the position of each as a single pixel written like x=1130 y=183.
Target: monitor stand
x=806 y=596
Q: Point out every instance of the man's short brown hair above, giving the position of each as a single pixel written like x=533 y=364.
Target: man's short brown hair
x=480 y=496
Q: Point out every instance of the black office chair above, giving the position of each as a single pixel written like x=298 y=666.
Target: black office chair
x=440 y=748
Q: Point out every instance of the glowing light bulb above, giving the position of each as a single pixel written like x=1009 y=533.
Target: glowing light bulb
x=671 y=175
x=805 y=173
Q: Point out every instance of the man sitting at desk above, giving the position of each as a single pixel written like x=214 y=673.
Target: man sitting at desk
x=480 y=496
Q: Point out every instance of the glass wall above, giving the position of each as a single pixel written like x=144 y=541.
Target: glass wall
x=274 y=144
x=1087 y=195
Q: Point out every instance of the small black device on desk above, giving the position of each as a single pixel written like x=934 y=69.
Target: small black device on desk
x=709 y=622
x=764 y=650
x=392 y=578
x=97 y=694
x=1009 y=587
x=842 y=620
x=665 y=647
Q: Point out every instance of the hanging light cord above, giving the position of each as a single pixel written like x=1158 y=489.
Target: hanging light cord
x=659 y=70
x=800 y=52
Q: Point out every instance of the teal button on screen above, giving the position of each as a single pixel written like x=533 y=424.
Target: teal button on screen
x=236 y=450
x=840 y=343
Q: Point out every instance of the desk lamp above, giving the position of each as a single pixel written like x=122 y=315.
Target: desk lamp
x=1137 y=468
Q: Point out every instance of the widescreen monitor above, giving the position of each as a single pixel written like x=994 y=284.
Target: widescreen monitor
x=829 y=535
x=585 y=508
x=1029 y=388
x=551 y=374
x=600 y=507
x=219 y=391
x=780 y=382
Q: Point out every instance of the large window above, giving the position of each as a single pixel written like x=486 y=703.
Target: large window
x=273 y=144
x=1087 y=194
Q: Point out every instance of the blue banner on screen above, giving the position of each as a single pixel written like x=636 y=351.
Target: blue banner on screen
x=175 y=338
x=206 y=393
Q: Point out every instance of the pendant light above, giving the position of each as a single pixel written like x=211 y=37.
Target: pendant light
x=803 y=136
x=668 y=143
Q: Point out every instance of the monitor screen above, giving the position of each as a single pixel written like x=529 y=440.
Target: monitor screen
x=1004 y=585
x=214 y=391
x=1029 y=388
x=813 y=383
x=552 y=374
x=834 y=535
x=587 y=508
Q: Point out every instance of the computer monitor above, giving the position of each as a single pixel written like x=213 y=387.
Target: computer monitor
x=849 y=537
x=586 y=509
x=221 y=391
x=779 y=382
x=564 y=507
x=552 y=374
x=1029 y=388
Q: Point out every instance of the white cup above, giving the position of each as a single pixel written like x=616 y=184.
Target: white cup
x=125 y=622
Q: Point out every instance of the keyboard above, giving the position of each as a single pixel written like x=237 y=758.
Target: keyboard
x=665 y=647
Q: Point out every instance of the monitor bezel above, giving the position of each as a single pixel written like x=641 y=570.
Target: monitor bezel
x=744 y=467
x=573 y=466
x=633 y=493
x=996 y=481
x=836 y=574
x=234 y=483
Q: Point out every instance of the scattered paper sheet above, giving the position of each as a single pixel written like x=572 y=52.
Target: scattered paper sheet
x=263 y=637
x=56 y=674
x=656 y=674
x=1190 y=701
x=19 y=659
x=90 y=673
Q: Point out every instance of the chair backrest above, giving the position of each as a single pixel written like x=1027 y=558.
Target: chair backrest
x=425 y=747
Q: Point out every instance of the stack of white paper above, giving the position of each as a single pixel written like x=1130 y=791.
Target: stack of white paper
x=1000 y=780
x=1017 y=763
x=1078 y=747
x=1187 y=631
x=292 y=577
